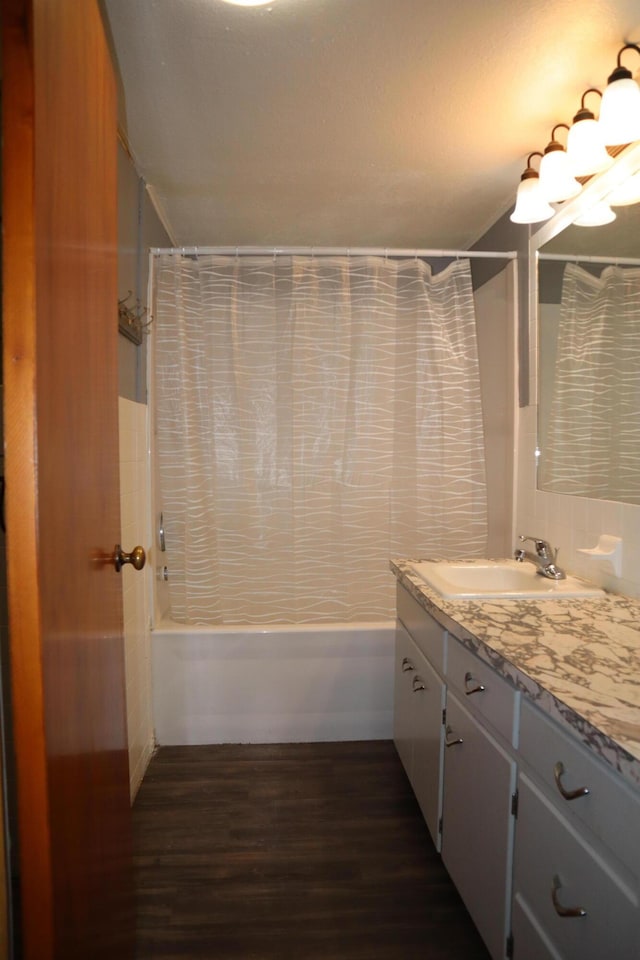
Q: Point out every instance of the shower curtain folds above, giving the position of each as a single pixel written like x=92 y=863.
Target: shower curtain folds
x=314 y=416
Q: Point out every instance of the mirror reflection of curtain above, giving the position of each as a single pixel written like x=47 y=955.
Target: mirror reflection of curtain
x=314 y=417
x=592 y=443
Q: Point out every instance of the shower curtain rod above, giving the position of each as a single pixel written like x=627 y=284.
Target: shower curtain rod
x=334 y=252
x=578 y=258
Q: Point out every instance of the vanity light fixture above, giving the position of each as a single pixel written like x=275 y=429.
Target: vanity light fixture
x=531 y=206
x=620 y=110
x=557 y=182
x=585 y=143
x=596 y=216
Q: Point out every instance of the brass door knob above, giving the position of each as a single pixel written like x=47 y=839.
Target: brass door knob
x=136 y=558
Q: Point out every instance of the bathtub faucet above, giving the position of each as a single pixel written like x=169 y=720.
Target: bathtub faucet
x=544 y=558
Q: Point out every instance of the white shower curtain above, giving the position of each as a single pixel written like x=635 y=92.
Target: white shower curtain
x=592 y=444
x=314 y=417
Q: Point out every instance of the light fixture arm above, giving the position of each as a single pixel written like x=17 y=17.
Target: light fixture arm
x=557 y=144
x=622 y=73
x=584 y=113
x=531 y=172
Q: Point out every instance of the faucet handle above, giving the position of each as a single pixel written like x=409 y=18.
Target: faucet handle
x=544 y=550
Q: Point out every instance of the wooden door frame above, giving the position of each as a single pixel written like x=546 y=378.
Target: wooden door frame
x=19 y=379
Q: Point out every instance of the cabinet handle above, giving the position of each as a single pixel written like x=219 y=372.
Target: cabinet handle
x=447 y=741
x=557 y=906
x=407 y=665
x=418 y=684
x=558 y=771
x=476 y=688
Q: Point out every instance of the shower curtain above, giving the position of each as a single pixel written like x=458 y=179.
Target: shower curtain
x=314 y=417
x=592 y=442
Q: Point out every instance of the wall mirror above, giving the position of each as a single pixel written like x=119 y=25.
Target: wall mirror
x=585 y=307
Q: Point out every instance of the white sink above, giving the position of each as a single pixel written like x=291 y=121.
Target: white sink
x=497 y=579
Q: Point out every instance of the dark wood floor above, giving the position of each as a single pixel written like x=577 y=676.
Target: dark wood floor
x=290 y=852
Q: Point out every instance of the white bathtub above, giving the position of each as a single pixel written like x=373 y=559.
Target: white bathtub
x=276 y=684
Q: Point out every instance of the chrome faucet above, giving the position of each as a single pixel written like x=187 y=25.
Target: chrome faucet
x=544 y=558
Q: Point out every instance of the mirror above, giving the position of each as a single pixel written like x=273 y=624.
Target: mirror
x=585 y=298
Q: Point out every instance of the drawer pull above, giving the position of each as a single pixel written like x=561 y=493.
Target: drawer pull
x=557 y=906
x=407 y=665
x=448 y=742
x=558 y=771
x=418 y=684
x=476 y=688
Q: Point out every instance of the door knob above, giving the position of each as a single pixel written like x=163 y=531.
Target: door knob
x=136 y=558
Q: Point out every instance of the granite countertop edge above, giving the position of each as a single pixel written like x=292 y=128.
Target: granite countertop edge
x=463 y=619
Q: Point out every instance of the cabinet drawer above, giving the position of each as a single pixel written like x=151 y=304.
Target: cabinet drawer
x=529 y=941
x=611 y=809
x=483 y=689
x=427 y=633
x=549 y=853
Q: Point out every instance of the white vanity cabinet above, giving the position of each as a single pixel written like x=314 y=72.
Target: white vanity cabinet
x=479 y=787
x=539 y=834
x=577 y=850
x=419 y=706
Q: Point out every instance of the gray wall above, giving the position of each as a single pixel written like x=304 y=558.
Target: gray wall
x=505 y=235
x=139 y=228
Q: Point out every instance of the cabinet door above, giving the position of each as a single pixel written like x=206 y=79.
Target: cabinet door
x=404 y=706
x=417 y=727
x=477 y=836
x=428 y=745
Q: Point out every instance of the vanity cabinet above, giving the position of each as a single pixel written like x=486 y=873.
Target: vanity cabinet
x=539 y=834
x=576 y=860
x=479 y=787
x=418 y=726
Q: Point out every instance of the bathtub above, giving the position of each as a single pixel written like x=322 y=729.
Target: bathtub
x=275 y=684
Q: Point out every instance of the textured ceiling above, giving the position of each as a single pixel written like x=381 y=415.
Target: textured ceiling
x=394 y=123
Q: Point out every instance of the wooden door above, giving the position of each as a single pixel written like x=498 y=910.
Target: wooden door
x=62 y=505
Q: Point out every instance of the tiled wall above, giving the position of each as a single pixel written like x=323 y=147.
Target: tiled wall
x=572 y=523
x=134 y=496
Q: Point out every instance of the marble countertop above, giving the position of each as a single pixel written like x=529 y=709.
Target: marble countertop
x=579 y=660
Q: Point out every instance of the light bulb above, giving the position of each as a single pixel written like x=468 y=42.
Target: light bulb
x=596 y=216
x=557 y=182
x=531 y=206
x=585 y=146
x=620 y=110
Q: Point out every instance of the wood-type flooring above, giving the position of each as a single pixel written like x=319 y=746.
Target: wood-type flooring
x=290 y=852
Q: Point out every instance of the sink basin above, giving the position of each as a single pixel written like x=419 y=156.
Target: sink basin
x=497 y=579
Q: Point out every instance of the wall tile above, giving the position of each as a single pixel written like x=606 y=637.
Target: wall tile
x=134 y=498
x=573 y=523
